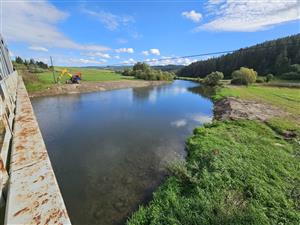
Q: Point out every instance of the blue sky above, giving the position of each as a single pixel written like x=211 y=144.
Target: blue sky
x=85 y=33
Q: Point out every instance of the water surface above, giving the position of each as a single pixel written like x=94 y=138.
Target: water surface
x=109 y=149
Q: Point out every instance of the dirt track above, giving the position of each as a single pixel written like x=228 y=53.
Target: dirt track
x=85 y=87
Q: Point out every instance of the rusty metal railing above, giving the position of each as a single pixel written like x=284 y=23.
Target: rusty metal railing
x=8 y=88
x=33 y=194
x=28 y=187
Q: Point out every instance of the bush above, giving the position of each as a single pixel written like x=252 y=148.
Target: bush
x=290 y=76
x=269 y=77
x=213 y=79
x=293 y=74
x=244 y=76
x=260 y=80
x=34 y=69
x=127 y=72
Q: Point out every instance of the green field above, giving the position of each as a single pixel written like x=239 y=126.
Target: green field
x=41 y=81
x=236 y=172
x=285 y=98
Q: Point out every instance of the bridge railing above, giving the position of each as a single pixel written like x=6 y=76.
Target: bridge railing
x=8 y=90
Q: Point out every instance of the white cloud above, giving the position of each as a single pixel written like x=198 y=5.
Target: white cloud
x=201 y=118
x=169 y=61
x=38 y=48
x=129 y=61
x=117 y=57
x=145 y=53
x=123 y=50
x=87 y=61
x=98 y=54
x=154 y=51
x=35 y=23
x=109 y=20
x=179 y=123
x=192 y=15
x=248 y=16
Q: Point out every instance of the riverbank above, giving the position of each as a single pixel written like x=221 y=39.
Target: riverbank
x=87 y=86
x=243 y=168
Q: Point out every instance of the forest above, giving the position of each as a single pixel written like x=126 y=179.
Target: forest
x=270 y=57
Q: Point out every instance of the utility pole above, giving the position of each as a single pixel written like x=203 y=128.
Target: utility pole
x=52 y=69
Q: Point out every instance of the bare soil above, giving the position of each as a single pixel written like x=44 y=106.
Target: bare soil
x=233 y=108
x=85 y=87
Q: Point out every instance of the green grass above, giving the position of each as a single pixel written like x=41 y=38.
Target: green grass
x=237 y=172
x=42 y=81
x=286 y=98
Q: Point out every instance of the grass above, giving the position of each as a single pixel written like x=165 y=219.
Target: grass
x=236 y=172
x=42 y=81
x=233 y=175
x=286 y=98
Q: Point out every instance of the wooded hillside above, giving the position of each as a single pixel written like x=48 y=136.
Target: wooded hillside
x=268 y=57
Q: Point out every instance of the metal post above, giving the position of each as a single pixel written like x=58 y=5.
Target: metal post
x=52 y=69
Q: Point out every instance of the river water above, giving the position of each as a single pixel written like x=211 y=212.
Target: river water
x=109 y=150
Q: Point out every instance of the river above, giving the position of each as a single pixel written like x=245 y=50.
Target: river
x=109 y=150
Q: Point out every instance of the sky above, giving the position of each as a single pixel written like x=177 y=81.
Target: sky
x=100 y=33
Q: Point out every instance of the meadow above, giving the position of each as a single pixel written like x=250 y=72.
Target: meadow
x=41 y=81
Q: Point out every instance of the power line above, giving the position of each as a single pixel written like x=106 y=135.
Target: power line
x=205 y=54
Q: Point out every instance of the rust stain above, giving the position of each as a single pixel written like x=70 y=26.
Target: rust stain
x=37 y=219
x=45 y=201
x=39 y=179
x=42 y=195
x=2 y=168
x=21 y=211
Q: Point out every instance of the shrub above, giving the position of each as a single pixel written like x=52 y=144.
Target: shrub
x=269 y=77
x=260 y=80
x=34 y=69
x=244 y=76
x=127 y=72
x=213 y=79
x=293 y=74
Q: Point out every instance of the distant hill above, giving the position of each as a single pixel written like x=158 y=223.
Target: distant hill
x=268 y=57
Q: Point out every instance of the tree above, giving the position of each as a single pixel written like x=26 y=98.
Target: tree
x=141 y=66
x=244 y=76
x=19 y=60
x=213 y=79
x=31 y=62
x=282 y=62
x=269 y=77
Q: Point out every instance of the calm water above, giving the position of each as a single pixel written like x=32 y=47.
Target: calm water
x=109 y=149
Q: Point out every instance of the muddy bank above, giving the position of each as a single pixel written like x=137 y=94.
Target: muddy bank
x=233 y=108
x=86 y=87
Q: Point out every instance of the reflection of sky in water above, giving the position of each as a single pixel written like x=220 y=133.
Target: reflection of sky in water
x=109 y=149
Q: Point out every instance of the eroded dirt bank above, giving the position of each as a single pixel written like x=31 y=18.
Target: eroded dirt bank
x=233 y=108
x=86 y=87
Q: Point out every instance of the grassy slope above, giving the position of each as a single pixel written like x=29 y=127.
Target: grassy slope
x=42 y=81
x=237 y=172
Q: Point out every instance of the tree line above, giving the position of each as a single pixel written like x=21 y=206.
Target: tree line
x=145 y=72
x=31 y=63
x=276 y=57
